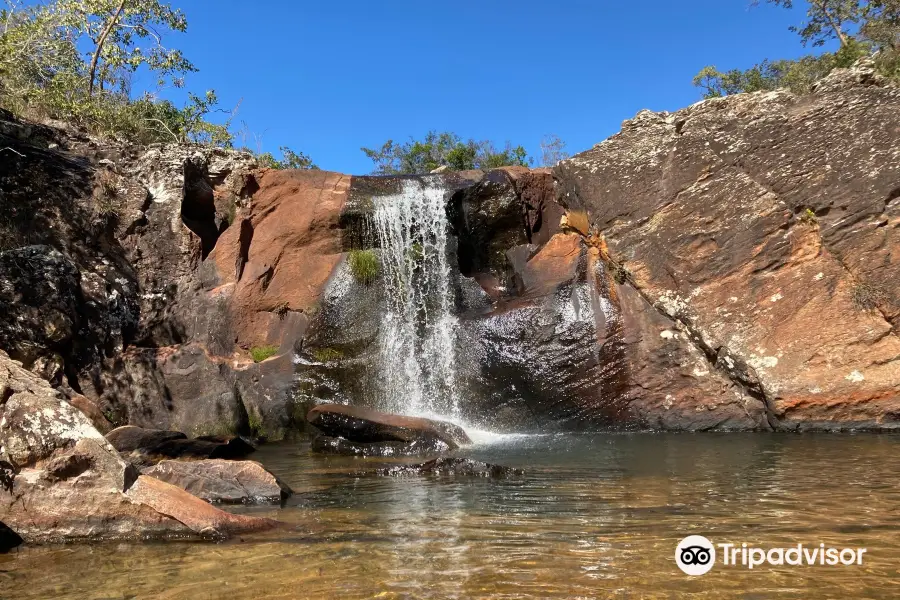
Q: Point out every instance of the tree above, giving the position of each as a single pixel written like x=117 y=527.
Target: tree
x=553 y=150
x=116 y=27
x=289 y=160
x=443 y=149
x=859 y=26
x=827 y=19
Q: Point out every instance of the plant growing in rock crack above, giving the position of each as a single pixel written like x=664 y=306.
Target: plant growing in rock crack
x=866 y=296
x=281 y=309
x=261 y=353
x=364 y=265
x=107 y=202
x=808 y=217
x=620 y=273
x=324 y=355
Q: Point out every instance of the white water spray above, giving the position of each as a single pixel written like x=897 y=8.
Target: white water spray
x=418 y=332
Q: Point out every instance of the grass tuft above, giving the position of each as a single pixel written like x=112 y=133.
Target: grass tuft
x=261 y=353
x=364 y=265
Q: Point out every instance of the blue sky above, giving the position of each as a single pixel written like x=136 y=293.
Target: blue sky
x=329 y=77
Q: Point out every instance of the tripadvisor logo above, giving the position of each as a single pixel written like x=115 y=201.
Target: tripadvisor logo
x=696 y=555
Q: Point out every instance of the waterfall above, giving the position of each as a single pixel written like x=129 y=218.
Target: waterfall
x=417 y=333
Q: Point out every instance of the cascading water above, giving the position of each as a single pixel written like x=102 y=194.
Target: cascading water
x=418 y=333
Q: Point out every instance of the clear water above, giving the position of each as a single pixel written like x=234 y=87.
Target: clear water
x=417 y=336
x=594 y=517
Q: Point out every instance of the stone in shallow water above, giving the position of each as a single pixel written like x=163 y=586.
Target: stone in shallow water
x=366 y=426
x=9 y=539
x=226 y=481
x=453 y=467
x=324 y=444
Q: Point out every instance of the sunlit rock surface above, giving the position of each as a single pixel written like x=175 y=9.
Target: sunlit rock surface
x=763 y=230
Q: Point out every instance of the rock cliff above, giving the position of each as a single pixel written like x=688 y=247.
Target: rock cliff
x=733 y=265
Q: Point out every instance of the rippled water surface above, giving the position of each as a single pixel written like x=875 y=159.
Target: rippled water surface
x=594 y=517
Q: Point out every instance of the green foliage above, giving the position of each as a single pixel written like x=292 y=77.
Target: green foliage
x=364 y=265
x=861 y=27
x=74 y=59
x=289 y=160
x=261 y=353
x=254 y=421
x=808 y=217
x=443 y=149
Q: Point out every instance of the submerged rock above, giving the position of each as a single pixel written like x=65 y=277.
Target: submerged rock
x=324 y=444
x=147 y=447
x=453 y=467
x=61 y=480
x=9 y=539
x=366 y=426
x=225 y=481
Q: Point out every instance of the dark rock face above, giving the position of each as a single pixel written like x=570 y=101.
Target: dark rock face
x=365 y=426
x=453 y=467
x=149 y=446
x=760 y=235
x=225 y=481
x=40 y=302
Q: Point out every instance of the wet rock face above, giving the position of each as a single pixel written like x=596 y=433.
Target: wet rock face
x=762 y=229
x=366 y=426
x=325 y=444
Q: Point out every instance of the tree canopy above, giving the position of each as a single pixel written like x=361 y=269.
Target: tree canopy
x=74 y=60
x=860 y=28
x=443 y=149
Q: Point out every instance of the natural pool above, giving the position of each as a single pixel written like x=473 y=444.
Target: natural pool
x=595 y=516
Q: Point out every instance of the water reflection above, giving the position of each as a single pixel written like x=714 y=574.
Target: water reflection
x=594 y=516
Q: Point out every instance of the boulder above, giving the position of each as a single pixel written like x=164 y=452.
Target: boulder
x=225 y=481
x=199 y=516
x=447 y=466
x=366 y=426
x=62 y=481
x=129 y=438
x=149 y=446
x=324 y=444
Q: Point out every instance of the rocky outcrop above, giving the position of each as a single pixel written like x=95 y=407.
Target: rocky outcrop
x=732 y=265
x=223 y=481
x=364 y=432
x=758 y=239
x=62 y=481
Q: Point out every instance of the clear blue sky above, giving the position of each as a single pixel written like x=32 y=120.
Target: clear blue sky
x=327 y=77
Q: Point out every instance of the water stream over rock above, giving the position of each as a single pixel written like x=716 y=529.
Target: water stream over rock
x=417 y=337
